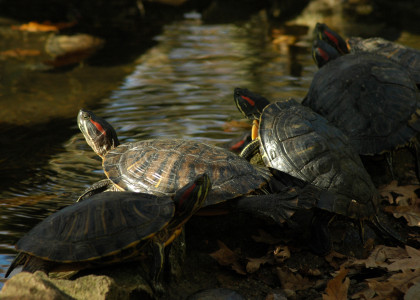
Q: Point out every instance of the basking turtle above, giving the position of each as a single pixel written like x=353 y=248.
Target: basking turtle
x=369 y=97
x=162 y=166
x=408 y=57
x=296 y=140
x=109 y=228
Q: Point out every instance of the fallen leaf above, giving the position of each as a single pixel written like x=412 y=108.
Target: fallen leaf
x=411 y=262
x=398 y=284
x=332 y=258
x=226 y=257
x=43 y=27
x=364 y=294
x=379 y=258
x=405 y=193
x=20 y=53
x=254 y=264
x=413 y=292
x=292 y=281
x=281 y=253
x=391 y=258
x=337 y=287
x=410 y=213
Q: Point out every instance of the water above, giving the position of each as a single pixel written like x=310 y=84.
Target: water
x=182 y=87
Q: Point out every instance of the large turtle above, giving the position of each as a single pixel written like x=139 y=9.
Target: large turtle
x=296 y=140
x=408 y=57
x=108 y=228
x=162 y=166
x=372 y=99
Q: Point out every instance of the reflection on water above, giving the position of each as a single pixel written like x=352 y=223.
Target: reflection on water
x=183 y=87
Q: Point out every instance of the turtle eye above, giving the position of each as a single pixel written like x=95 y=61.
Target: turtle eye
x=86 y=116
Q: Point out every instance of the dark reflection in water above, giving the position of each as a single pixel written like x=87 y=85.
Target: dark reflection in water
x=182 y=87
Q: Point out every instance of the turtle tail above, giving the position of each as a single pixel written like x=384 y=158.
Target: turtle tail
x=19 y=260
x=30 y=264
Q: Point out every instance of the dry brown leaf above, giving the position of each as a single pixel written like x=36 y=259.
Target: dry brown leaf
x=406 y=195
x=20 y=53
x=410 y=213
x=411 y=262
x=333 y=257
x=364 y=294
x=292 y=281
x=43 y=27
x=397 y=284
x=226 y=257
x=281 y=253
x=391 y=258
x=413 y=292
x=379 y=258
x=254 y=264
x=337 y=287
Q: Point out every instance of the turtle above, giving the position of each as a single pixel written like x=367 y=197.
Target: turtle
x=408 y=57
x=159 y=166
x=109 y=228
x=162 y=166
x=372 y=99
x=296 y=140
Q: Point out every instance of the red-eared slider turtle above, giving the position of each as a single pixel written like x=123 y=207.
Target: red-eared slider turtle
x=296 y=140
x=408 y=57
x=109 y=228
x=162 y=166
x=373 y=100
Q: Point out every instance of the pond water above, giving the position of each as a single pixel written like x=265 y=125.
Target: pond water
x=182 y=87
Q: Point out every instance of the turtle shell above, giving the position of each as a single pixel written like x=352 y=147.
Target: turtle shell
x=100 y=227
x=372 y=99
x=162 y=166
x=405 y=56
x=298 y=141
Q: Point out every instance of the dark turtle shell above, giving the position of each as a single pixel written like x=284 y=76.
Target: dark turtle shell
x=103 y=225
x=162 y=166
x=372 y=99
x=408 y=57
x=107 y=228
x=298 y=141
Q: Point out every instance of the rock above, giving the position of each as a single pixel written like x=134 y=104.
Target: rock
x=31 y=286
x=121 y=283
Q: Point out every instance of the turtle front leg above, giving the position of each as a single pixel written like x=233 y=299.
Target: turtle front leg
x=158 y=252
x=96 y=188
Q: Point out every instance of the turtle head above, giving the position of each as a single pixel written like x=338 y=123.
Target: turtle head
x=322 y=53
x=249 y=104
x=191 y=197
x=99 y=134
x=324 y=33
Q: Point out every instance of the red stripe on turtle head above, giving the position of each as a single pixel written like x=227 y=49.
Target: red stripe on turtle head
x=98 y=127
x=332 y=38
x=249 y=100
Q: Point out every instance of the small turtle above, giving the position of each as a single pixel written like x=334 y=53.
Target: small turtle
x=162 y=166
x=108 y=228
x=408 y=57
